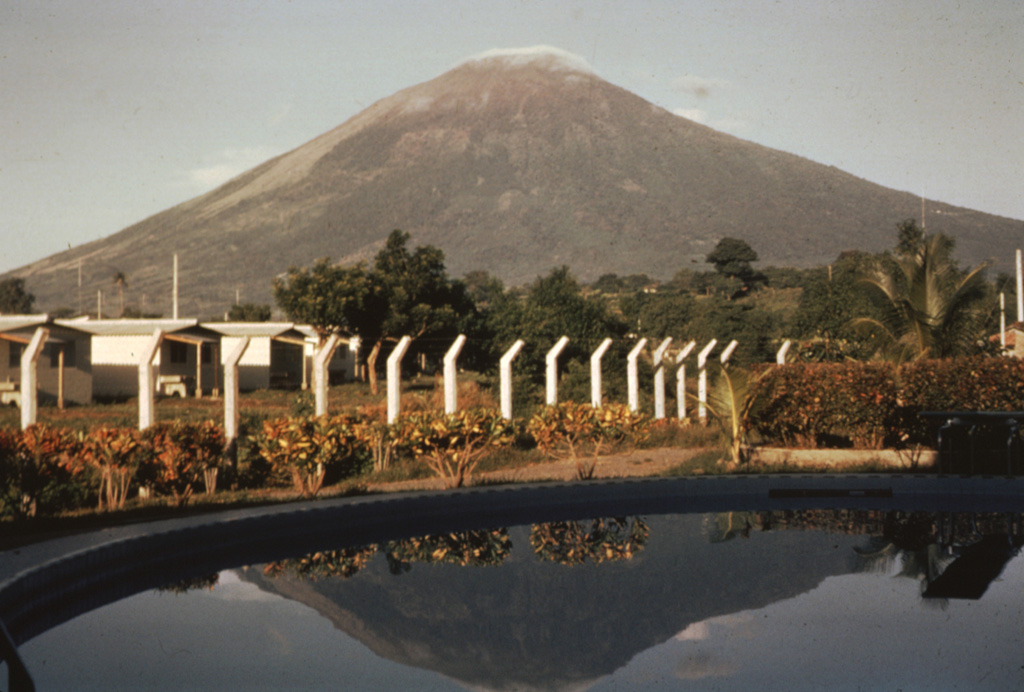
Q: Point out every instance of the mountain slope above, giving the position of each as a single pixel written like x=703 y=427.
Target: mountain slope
x=513 y=166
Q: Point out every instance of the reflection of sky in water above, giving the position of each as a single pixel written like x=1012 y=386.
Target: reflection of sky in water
x=248 y=639
x=853 y=632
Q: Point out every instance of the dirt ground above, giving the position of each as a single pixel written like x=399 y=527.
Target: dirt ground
x=642 y=462
x=653 y=462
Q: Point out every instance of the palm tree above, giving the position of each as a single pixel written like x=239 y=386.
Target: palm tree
x=928 y=305
x=121 y=281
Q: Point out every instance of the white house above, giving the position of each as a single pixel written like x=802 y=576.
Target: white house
x=274 y=357
x=187 y=362
x=64 y=369
x=344 y=363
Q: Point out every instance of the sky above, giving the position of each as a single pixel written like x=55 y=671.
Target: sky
x=114 y=110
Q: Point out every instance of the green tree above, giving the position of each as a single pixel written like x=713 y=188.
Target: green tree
x=416 y=299
x=249 y=312
x=832 y=297
x=731 y=258
x=755 y=330
x=14 y=299
x=658 y=315
x=404 y=294
x=929 y=307
x=553 y=306
x=327 y=297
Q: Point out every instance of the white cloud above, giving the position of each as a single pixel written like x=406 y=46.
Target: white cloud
x=226 y=164
x=518 y=56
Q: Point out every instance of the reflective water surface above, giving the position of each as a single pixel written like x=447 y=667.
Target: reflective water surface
x=822 y=599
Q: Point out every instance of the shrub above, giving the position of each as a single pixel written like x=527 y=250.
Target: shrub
x=114 y=454
x=180 y=455
x=577 y=431
x=40 y=475
x=452 y=444
x=306 y=449
x=826 y=405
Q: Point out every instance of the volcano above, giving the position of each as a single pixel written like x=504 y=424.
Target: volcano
x=512 y=163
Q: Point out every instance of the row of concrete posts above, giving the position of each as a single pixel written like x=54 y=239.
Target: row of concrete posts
x=147 y=389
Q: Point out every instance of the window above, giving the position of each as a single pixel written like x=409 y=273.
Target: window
x=179 y=352
x=14 y=360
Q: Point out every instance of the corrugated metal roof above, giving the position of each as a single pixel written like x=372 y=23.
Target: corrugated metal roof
x=255 y=329
x=10 y=323
x=129 y=327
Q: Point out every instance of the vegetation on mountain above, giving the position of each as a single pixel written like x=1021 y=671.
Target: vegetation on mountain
x=731 y=258
x=249 y=312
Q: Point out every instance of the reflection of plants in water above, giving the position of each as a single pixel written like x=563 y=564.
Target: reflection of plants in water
x=728 y=525
x=180 y=587
x=342 y=563
x=574 y=542
x=479 y=548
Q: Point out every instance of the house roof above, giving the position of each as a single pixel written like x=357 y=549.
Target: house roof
x=254 y=329
x=129 y=327
x=10 y=323
x=188 y=330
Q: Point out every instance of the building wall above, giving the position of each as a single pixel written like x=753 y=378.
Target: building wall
x=116 y=364
x=78 y=378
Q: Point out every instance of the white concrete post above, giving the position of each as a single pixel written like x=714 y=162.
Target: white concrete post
x=395 y=378
x=552 y=370
x=321 y=378
x=681 y=378
x=632 y=378
x=1002 y=321
x=702 y=380
x=1020 y=288
x=29 y=383
x=727 y=353
x=595 y=372
x=659 y=378
x=231 y=410
x=451 y=400
x=506 y=378
x=147 y=386
x=780 y=357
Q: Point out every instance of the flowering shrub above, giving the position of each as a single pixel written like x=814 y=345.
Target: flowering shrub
x=38 y=474
x=452 y=444
x=572 y=430
x=874 y=405
x=181 y=455
x=114 y=454
x=307 y=448
x=826 y=405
